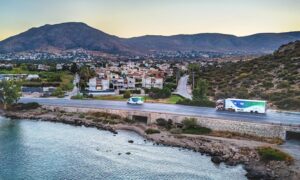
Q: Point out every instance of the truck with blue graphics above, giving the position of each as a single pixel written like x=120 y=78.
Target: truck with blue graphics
x=242 y=105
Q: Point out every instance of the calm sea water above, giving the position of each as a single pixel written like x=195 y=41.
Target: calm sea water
x=44 y=150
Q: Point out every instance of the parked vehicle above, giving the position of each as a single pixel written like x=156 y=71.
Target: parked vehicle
x=242 y=105
x=135 y=100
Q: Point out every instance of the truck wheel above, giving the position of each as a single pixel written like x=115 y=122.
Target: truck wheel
x=251 y=111
x=256 y=112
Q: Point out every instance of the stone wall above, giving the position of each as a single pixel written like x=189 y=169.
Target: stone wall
x=244 y=127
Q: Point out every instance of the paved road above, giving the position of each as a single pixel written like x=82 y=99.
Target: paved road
x=75 y=90
x=182 y=87
x=270 y=117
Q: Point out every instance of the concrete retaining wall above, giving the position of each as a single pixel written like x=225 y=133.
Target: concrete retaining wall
x=245 y=127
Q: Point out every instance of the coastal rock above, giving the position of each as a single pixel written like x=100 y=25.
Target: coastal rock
x=216 y=159
x=254 y=174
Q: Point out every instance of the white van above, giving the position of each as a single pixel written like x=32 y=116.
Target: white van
x=135 y=100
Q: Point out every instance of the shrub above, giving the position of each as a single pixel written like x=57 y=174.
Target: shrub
x=164 y=123
x=161 y=122
x=127 y=94
x=81 y=116
x=78 y=96
x=157 y=93
x=242 y=93
x=152 y=131
x=132 y=91
x=197 y=130
x=130 y=121
x=283 y=84
x=190 y=127
x=25 y=106
x=58 y=92
x=289 y=103
x=204 y=103
x=189 y=123
x=176 y=131
x=172 y=86
x=270 y=154
x=267 y=84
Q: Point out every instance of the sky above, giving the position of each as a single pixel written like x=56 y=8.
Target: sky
x=130 y=18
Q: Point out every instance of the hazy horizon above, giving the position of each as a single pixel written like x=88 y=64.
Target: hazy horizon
x=132 y=18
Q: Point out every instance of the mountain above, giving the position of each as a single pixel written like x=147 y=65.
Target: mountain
x=61 y=37
x=66 y=36
x=257 y=43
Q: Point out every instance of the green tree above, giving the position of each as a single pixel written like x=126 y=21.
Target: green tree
x=199 y=93
x=74 y=68
x=127 y=94
x=58 y=92
x=10 y=92
x=85 y=74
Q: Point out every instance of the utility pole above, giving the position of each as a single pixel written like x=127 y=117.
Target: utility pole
x=193 y=80
x=177 y=76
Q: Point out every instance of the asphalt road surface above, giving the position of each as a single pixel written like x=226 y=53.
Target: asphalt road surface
x=269 y=117
x=182 y=87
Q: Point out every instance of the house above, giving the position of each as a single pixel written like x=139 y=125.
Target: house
x=118 y=83
x=32 y=77
x=97 y=84
x=43 y=67
x=59 y=67
x=130 y=83
x=152 y=82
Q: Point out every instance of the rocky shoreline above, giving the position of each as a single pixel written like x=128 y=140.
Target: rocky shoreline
x=230 y=152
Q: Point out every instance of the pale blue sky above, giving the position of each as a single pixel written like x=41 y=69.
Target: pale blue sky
x=128 y=18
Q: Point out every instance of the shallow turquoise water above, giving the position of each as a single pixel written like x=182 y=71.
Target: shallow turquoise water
x=44 y=150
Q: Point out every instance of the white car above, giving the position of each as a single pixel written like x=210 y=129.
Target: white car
x=135 y=100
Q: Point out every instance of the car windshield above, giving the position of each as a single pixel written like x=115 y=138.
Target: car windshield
x=136 y=99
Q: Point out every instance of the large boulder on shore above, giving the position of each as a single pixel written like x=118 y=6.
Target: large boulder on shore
x=216 y=159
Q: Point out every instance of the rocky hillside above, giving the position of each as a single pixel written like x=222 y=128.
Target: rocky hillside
x=275 y=78
x=68 y=36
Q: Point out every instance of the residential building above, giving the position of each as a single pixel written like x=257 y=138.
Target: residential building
x=152 y=82
x=97 y=84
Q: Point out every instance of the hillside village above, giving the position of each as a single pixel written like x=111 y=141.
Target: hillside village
x=108 y=78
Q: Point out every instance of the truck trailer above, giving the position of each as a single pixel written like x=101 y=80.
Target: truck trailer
x=242 y=105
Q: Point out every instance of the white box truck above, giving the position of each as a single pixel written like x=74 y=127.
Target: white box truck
x=242 y=105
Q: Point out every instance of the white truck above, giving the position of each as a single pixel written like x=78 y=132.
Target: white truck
x=242 y=105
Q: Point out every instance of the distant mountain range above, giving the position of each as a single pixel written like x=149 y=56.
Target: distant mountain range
x=73 y=35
